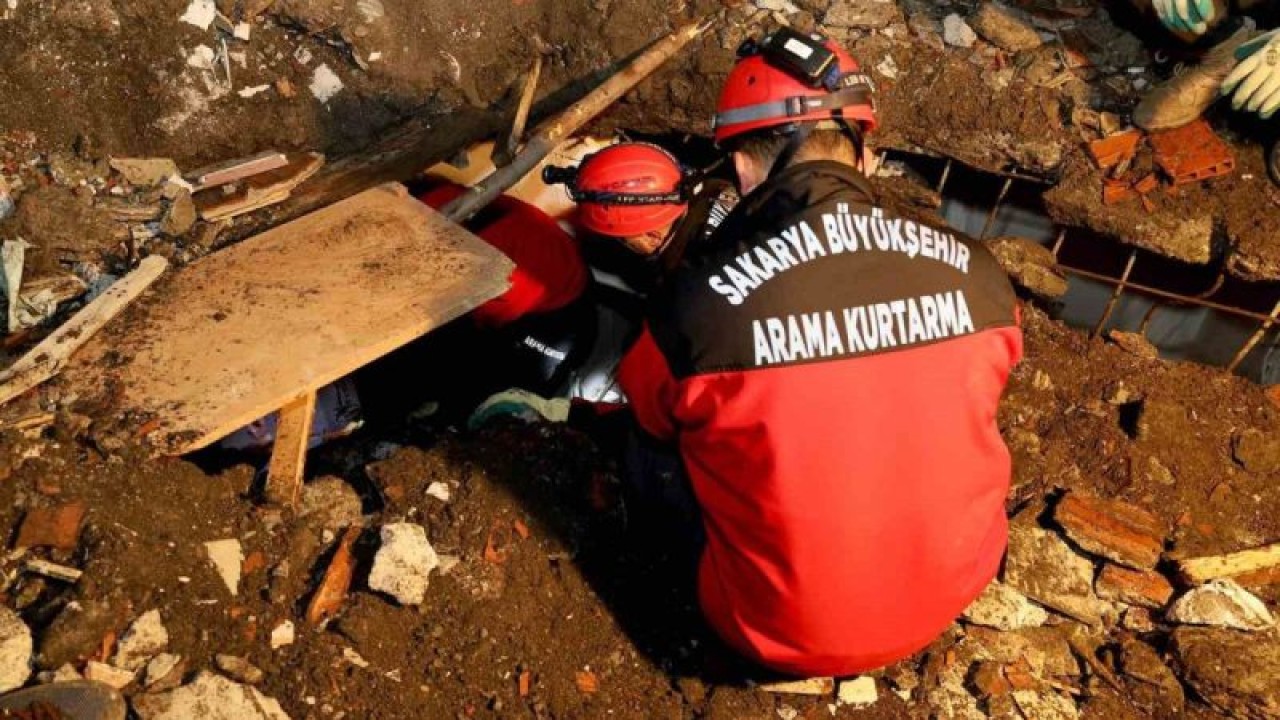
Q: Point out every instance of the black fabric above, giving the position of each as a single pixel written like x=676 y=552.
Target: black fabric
x=789 y=239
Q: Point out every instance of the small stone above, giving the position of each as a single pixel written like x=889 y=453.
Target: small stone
x=180 y=216
x=1118 y=393
x=1156 y=472
x=1044 y=568
x=859 y=692
x=117 y=678
x=1115 y=530
x=1257 y=451
x=282 y=635
x=66 y=673
x=1144 y=588
x=1005 y=27
x=15 y=650
x=354 y=658
x=1234 y=672
x=164 y=672
x=145 y=172
x=330 y=503
x=956 y=32
x=239 y=669
x=285 y=88
x=861 y=15
x=1001 y=607
x=325 y=84
x=1045 y=705
x=145 y=639
x=209 y=697
x=227 y=557
x=403 y=563
x=1221 y=603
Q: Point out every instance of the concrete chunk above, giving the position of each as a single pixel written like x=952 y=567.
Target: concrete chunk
x=1234 y=672
x=1222 y=603
x=209 y=697
x=1044 y=568
x=15 y=650
x=227 y=556
x=403 y=563
x=1001 y=607
x=145 y=639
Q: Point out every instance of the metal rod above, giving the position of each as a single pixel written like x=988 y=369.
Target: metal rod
x=946 y=173
x=1057 y=244
x=1146 y=319
x=991 y=217
x=1209 y=292
x=1115 y=296
x=1254 y=339
x=1166 y=294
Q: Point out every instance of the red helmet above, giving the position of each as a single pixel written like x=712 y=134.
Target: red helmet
x=625 y=190
x=762 y=91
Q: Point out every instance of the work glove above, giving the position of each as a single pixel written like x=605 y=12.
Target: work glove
x=1256 y=80
x=520 y=404
x=1188 y=16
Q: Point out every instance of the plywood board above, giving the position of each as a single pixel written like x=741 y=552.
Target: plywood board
x=243 y=332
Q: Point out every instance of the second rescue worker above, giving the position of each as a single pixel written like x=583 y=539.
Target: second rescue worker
x=834 y=405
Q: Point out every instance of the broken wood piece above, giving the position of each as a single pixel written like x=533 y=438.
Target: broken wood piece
x=505 y=150
x=810 y=686
x=52 y=527
x=332 y=591
x=1203 y=569
x=46 y=359
x=238 y=169
x=246 y=330
x=53 y=570
x=129 y=211
x=289 y=451
x=1115 y=149
x=258 y=191
x=1115 y=530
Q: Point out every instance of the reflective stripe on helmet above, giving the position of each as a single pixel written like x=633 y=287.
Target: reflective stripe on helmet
x=795 y=106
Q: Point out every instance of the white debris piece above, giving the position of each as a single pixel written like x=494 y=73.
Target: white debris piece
x=354 y=658
x=955 y=31
x=302 y=55
x=15 y=650
x=786 y=7
x=209 y=697
x=439 y=491
x=66 y=673
x=227 y=556
x=325 y=83
x=888 y=68
x=159 y=669
x=282 y=635
x=108 y=675
x=200 y=13
x=145 y=172
x=1222 y=603
x=242 y=31
x=1003 y=608
x=251 y=91
x=375 y=56
x=145 y=639
x=403 y=563
x=201 y=58
x=371 y=10
x=858 y=692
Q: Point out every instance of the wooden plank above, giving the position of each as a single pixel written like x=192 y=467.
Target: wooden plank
x=1203 y=569
x=337 y=580
x=46 y=359
x=289 y=451
x=259 y=191
x=504 y=152
x=232 y=170
x=242 y=332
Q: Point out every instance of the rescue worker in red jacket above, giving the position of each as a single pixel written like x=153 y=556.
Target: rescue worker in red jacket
x=829 y=372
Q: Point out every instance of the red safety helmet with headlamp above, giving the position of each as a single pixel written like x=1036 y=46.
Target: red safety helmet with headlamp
x=625 y=190
x=789 y=79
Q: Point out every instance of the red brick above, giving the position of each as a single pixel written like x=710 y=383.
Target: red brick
x=52 y=527
x=1143 y=588
x=1111 y=529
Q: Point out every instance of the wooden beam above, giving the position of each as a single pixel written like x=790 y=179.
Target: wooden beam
x=289 y=453
x=1203 y=569
x=504 y=151
x=46 y=359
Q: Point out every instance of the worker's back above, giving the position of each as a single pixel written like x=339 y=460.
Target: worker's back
x=832 y=377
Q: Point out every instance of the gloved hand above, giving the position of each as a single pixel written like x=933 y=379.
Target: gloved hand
x=1190 y=16
x=521 y=404
x=1256 y=80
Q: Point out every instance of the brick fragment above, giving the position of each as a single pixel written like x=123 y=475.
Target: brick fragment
x=1115 y=530
x=1143 y=588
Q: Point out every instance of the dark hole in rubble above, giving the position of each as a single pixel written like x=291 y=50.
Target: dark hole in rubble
x=1130 y=413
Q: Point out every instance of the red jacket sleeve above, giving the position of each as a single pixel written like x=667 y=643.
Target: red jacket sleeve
x=646 y=379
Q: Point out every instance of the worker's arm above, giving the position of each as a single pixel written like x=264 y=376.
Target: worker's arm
x=650 y=387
